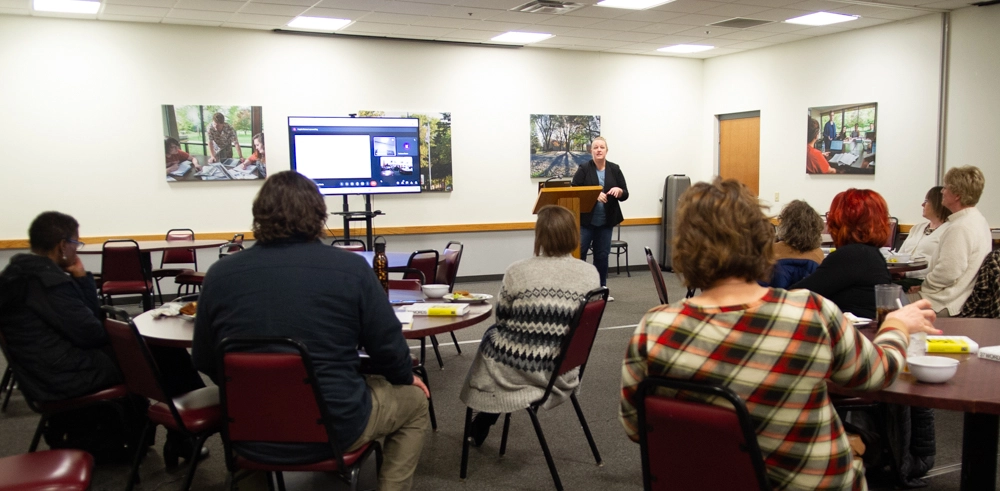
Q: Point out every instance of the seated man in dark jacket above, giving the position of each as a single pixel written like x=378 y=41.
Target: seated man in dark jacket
x=51 y=319
x=291 y=285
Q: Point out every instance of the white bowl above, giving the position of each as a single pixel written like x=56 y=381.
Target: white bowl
x=435 y=291
x=933 y=369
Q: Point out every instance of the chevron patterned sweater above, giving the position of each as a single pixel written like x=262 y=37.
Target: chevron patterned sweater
x=516 y=358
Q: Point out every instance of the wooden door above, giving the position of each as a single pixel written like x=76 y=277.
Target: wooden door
x=739 y=150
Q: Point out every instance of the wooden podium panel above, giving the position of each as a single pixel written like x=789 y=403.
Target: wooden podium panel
x=578 y=199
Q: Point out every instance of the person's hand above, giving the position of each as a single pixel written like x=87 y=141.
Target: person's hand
x=615 y=191
x=420 y=383
x=917 y=317
x=76 y=269
x=212 y=159
x=914 y=289
x=603 y=198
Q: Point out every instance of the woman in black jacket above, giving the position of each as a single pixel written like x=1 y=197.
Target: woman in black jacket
x=597 y=226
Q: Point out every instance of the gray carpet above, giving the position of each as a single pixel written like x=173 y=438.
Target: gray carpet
x=524 y=466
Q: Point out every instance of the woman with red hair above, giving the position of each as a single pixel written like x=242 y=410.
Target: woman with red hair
x=859 y=224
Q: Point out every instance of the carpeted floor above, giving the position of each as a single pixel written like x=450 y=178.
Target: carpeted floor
x=524 y=466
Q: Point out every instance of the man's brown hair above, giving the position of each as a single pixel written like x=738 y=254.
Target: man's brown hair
x=721 y=233
x=288 y=206
x=556 y=232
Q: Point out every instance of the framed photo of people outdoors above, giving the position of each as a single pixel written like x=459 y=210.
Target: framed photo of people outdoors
x=842 y=139
x=213 y=143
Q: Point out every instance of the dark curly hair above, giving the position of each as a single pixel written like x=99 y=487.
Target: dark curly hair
x=721 y=233
x=288 y=206
x=801 y=228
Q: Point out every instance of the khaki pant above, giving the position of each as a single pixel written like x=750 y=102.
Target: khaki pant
x=399 y=414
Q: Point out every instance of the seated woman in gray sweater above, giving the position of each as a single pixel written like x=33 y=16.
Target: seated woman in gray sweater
x=535 y=307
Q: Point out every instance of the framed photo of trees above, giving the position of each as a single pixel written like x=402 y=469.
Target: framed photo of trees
x=842 y=139
x=213 y=143
x=435 y=142
x=560 y=144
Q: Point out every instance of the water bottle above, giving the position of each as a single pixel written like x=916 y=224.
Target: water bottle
x=380 y=263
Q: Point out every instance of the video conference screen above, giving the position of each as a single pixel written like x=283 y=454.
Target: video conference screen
x=357 y=155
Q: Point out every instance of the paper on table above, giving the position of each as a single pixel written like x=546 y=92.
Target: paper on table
x=406 y=319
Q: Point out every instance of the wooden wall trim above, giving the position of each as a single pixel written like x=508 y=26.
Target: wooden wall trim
x=415 y=230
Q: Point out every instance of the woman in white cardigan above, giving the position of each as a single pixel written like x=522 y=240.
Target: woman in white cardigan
x=964 y=243
x=922 y=242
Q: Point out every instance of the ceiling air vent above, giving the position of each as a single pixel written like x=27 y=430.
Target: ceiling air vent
x=547 y=7
x=741 y=23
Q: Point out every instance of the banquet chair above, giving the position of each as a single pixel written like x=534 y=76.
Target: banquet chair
x=893 y=230
x=682 y=440
x=175 y=256
x=195 y=415
x=291 y=410
x=654 y=268
x=7 y=385
x=447 y=273
x=124 y=272
x=422 y=265
x=356 y=245
x=573 y=354
x=619 y=247
x=191 y=281
x=51 y=470
x=49 y=408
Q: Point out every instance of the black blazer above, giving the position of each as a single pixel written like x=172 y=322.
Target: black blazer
x=586 y=175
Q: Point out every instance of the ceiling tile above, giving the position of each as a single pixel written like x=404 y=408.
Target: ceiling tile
x=769 y=3
x=272 y=9
x=470 y=35
x=127 y=18
x=709 y=32
x=819 y=6
x=259 y=27
x=619 y=25
x=780 y=15
x=689 y=6
x=464 y=13
x=413 y=8
x=598 y=12
x=521 y=17
x=386 y=18
x=191 y=22
x=298 y=3
x=650 y=16
x=632 y=37
x=784 y=38
x=569 y=21
x=485 y=25
x=698 y=19
x=642 y=46
x=208 y=5
x=946 y=5
x=664 y=28
x=335 y=13
x=257 y=19
x=750 y=45
x=142 y=3
x=590 y=33
x=492 y=4
x=372 y=27
x=353 y=4
x=443 y=22
x=137 y=11
x=898 y=14
x=200 y=15
x=429 y=32
x=747 y=35
x=672 y=40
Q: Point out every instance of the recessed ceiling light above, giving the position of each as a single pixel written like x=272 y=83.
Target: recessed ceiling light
x=319 y=23
x=67 y=6
x=521 y=37
x=686 y=48
x=821 y=19
x=632 y=4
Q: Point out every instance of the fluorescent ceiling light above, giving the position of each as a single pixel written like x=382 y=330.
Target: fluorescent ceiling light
x=686 y=48
x=821 y=19
x=67 y=6
x=319 y=23
x=521 y=37
x=632 y=4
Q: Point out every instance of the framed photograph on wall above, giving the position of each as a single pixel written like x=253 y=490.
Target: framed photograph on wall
x=560 y=144
x=435 y=142
x=842 y=139
x=213 y=143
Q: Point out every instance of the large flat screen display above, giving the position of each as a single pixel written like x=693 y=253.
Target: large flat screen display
x=357 y=155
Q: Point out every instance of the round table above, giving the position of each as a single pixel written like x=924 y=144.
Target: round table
x=148 y=246
x=179 y=332
x=900 y=268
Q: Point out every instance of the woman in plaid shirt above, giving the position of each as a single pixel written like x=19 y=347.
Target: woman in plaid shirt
x=775 y=348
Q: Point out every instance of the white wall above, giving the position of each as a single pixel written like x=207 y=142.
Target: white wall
x=895 y=65
x=974 y=100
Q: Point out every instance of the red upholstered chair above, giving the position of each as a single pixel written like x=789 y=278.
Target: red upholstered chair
x=573 y=354
x=423 y=265
x=447 y=272
x=49 y=408
x=124 y=272
x=196 y=414
x=290 y=410
x=191 y=281
x=683 y=440
x=654 y=268
x=51 y=470
x=350 y=244
x=410 y=285
x=174 y=257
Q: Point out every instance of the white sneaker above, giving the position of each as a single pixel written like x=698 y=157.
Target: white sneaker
x=611 y=299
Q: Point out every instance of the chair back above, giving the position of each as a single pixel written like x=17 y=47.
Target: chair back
x=121 y=260
x=179 y=256
x=893 y=229
x=447 y=270
x=654 y=268
x=412 y=285
x=682 y=441
x=290 y=409
x=139 y=370
x=425 y=261
x=355 y=245
x=229 y=249
x=237 y=239
x=579 y=339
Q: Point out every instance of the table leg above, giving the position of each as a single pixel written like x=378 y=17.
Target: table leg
x=979 y=452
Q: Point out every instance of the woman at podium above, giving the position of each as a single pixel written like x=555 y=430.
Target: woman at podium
x=596 y=227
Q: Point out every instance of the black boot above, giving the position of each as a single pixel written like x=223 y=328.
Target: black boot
x=481 y=427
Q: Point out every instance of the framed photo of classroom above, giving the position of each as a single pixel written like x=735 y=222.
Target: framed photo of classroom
x=560 y=143
x=842 y=139
x=213 y=143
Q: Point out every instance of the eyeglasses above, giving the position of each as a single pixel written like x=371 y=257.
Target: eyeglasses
x=76 y=243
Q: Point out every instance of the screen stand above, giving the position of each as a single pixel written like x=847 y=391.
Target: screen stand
x=359 y=216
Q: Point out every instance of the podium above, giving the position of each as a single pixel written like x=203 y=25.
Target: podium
x=576 y=199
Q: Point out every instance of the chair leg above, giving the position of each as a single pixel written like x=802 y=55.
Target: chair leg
x=159 y=291
x=38 y=433
x=140 y=452
x=466 y=443
x=506 y=429
x=422 y=373
x=7 y=384
x=199 y=441
x=586 y=430
x=281 y=480
x=270 y=481
x=629 y=273
x=545 y=448
x=423 y=351
x=6 y=399
x=434 y=343
x=455 y=340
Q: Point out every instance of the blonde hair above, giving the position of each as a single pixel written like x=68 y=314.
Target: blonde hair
x=600 y=138
x=967 y=182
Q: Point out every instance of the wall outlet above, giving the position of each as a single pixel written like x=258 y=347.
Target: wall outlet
x=777 y=197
